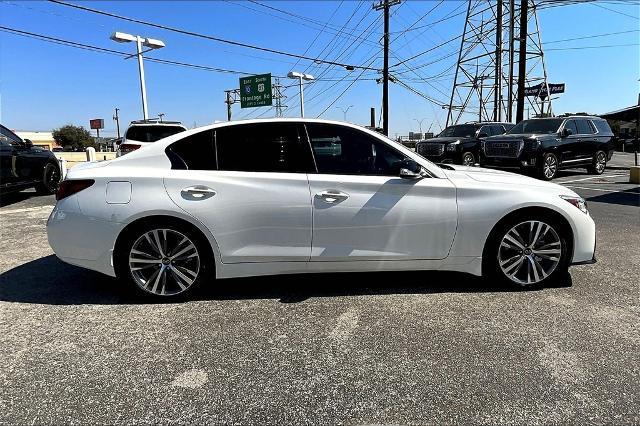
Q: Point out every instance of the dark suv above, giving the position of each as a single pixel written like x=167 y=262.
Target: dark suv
x=459 y=144
x=23 y=165
x=546 y=145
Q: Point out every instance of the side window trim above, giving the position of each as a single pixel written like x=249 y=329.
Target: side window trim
x=310 y=147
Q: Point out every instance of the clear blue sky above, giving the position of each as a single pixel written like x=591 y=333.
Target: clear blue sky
x=46 y=85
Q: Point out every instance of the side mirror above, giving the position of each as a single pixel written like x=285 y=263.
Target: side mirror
x=483 y=135
x=566 y=132
x=410 y=169
x=28 y=143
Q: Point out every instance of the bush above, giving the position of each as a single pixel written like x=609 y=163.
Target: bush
x=73 y=137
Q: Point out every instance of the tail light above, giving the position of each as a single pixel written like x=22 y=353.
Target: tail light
x=128 y=147
x=70 y=187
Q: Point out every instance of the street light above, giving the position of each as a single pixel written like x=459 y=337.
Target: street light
x=420 y=123
x=301 y=76
x=344 y=111
x=152 y=44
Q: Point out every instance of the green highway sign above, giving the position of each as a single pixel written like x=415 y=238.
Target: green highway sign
x=255 y=91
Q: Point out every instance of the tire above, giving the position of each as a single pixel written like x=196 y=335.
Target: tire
x=598 y=163
x=468 y=159
x=548 y=166
x=163 y=259
x=50 y=180
x=513 y=256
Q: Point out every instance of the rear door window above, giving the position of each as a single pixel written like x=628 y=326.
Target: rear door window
x=584 y=127
x=195 y=152
x=264 y=147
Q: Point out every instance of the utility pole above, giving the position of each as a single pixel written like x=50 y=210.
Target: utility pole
x=385 y=5
x=278 y=95
x=117 y=120
x=497 y=98
x=522 y=59
x=512 y=17
x=231 y=99
x=345 y=111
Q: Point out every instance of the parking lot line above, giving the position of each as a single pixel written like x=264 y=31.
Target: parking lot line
x=600 y=189
x=591 y=177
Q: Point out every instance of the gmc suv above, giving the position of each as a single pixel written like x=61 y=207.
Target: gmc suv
x=547 y=145
x=459 y=144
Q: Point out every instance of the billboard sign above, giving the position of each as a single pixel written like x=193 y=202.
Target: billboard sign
x=540 y=90
x=97 y=123
x=255 y=91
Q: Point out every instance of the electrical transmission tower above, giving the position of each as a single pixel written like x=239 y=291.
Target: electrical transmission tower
x=278 y=96
x=494 y=67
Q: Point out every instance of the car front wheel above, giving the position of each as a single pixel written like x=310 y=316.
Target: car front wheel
x=549 y=166
x=527 y=252
x=468 y=159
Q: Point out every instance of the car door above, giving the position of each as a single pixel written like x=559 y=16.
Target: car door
x=11 y=162
x=587 y=142
x=569 y=145
x=363 y=210
x=248 y=184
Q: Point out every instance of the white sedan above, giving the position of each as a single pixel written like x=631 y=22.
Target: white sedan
x=283 y=196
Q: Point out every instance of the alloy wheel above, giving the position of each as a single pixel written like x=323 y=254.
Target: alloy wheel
x=601 y=162
x=468 y=160
x=550 y=166
x=51 y=177
x=164 y=262
x=529 y=252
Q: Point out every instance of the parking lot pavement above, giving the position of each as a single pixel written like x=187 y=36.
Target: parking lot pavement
x=339 y=348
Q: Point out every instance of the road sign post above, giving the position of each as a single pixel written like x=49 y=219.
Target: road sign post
x=255 y=91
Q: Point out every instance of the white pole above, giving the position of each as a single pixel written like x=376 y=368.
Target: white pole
x=301 y=98
x=143 y=89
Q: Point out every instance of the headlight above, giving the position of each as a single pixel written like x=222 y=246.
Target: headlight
x=453 y=146
x=576 y=201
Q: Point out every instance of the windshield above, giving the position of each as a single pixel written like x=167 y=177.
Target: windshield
x=546 y=126
x=460 y=131
x=151 y=133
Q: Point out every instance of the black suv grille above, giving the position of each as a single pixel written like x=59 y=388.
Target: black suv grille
x=507 y=149
x=430 y=149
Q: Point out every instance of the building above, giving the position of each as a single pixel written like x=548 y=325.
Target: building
x=43 y=139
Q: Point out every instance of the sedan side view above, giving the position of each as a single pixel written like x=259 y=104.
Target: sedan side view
x=281 y=196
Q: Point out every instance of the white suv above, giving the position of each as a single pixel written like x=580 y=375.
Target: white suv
x=145 y=132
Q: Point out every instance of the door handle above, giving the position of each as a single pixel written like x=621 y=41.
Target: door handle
x=197 y=192
x=331 y=196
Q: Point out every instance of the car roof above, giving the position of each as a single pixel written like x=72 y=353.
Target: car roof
x=155 y=123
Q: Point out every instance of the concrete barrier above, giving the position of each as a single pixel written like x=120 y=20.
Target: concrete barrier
x=73 y=158
x=634 y=174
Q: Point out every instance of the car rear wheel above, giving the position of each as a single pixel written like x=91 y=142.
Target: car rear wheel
x=162 y=260
x=528 y=252
x=468 y=159
x=549 y=166
x=50 y=180
x=599 y=163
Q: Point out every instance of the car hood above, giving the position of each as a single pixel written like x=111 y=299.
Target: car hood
x=445 y=140
x=491 y=176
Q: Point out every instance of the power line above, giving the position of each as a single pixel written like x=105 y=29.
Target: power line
x=591 y=36
x=616 y=11
x=594 y=47
x=205 y=36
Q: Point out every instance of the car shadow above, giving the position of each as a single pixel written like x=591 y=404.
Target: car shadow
x=14 y=197
x=50 y=281
x=627 y=197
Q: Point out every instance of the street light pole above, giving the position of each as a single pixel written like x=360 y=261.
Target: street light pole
x=420 y=123
x=143 y=88
x=344 y=111
x=301 y=76
x=140 y=41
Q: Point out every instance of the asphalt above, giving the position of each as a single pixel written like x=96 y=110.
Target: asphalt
x=373 y=348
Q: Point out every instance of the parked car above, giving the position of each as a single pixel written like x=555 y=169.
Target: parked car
x=279 y=196
x=23 y=165
x=547 y=145
x=459 y=144
x=144 y=132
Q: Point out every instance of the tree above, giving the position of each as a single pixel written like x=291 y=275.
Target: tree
x=73 y=136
